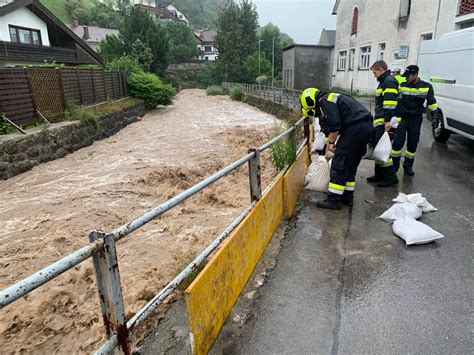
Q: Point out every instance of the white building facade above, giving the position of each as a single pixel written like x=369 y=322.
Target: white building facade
x=23 y=26
x=392 y=30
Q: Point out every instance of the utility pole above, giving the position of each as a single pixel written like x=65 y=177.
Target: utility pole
x=259 y=42
x=273 y=60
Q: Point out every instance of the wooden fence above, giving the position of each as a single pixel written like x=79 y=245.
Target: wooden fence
x=24 y=93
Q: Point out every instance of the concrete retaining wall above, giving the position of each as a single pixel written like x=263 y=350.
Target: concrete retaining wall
x=281 y=111
x=20 y=153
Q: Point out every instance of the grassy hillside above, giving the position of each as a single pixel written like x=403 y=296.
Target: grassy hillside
x=57 y=8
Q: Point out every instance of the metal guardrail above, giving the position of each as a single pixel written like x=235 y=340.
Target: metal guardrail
x=103 y=252
x=283 y=96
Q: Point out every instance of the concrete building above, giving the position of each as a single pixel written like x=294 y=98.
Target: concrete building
x=309 y=65
x=368 y=30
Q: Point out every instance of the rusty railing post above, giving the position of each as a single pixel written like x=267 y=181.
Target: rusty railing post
x=110 y=291
x=255 y=176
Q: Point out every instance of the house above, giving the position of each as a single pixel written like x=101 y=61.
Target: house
x=31 y=34
x=392 y=30
x=206 y=44
x=309 y=65
x=92 y=35
x=161 y=12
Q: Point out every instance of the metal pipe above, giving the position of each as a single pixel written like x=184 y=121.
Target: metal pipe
x=126 y=229
x=39 y=278
x=165 y=292
x=108 y=347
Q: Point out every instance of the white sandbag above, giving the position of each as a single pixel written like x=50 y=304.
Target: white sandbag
x=414 y=232
x=383 y=148
x=318 y=142
x=418 y=200
x=400 y=210
x=394 y=122
x=369 y=154
x=318 y=175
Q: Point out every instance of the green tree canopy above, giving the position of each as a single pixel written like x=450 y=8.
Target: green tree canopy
x=282 y=40
x=251 y=67
x=183 y=44
x=236 y=38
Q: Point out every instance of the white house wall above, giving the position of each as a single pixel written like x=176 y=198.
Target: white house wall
x=378 y=22
x=23 y=18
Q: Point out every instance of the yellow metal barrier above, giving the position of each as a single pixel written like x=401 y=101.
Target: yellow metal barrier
x=294 y=180
x=211 y=296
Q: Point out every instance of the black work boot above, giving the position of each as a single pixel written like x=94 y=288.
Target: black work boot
x=396 y=163
x=408 y=171
x=332 y=202
x=348 y=198
x=377 y=177
x=389 y=178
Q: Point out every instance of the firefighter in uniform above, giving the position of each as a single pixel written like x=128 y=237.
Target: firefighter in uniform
x=385 y=110
x=413 y=94
x=343 y=117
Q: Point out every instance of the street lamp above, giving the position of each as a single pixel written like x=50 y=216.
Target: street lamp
x=273 y=59
x=259 y=42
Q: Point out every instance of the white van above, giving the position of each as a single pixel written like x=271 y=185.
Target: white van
x=448 y=64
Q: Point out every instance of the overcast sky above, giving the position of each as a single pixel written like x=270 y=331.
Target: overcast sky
x=303 y=20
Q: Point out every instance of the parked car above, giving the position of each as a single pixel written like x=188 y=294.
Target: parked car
x=447 y=63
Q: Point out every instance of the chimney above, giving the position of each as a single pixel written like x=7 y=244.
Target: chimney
x=75 y=22
x=86 y=36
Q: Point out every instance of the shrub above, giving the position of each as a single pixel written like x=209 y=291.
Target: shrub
x=283 y=152
x=125 y=62
x=236 y=93
x=215 y=90
x=150 y=89
x=74 y=113
x=6 y=127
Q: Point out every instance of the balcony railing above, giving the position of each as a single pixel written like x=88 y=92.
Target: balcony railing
x=35 y=53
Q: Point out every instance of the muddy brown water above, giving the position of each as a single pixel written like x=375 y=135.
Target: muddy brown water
x=46 y=213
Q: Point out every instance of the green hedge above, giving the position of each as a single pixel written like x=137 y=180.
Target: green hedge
x=150 y=89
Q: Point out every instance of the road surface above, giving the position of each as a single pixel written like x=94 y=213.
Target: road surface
x=344 y=284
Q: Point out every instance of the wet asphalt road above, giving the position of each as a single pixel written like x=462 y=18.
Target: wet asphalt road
x=344 y=284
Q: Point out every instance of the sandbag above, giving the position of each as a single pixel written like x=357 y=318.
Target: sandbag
x=400 y=210
x=414 y=232
x=319 y=142
x=418 y=200
x=383 y=148
x=318 y=176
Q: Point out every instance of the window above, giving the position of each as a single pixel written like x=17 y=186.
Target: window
x=208 y=48
x=405 y=8
x=426 y=36
x=341 y=64
x=466 y=25
x=355 y=20
x=465 y=7
x=352 y=57
x=25 y=35
x=381 y=51
x=364 y=57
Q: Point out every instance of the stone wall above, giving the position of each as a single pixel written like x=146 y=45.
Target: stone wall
x=20 y=153
x=281 y=111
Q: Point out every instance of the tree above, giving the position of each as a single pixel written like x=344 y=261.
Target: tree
x=236 y=38
x=251 y=67
x=183 y=44
x=102 y=15
x=111 y=47
x=75 y=8
x=268 y=33
x=142 y=54
x=138 y=25
x=125 y=62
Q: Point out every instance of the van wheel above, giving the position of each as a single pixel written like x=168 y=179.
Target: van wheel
x=440 y=134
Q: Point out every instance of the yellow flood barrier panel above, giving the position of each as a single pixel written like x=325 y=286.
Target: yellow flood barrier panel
x=211 y=296
x=294 y=181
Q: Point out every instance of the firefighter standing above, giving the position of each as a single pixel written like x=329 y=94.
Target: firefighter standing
x=385 y=110
x=345 y=117
x=413 y=94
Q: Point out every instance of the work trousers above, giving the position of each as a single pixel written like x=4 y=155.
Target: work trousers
x=350 y=149
x=408 y=129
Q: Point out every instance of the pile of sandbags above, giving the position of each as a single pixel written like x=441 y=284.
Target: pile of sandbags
x=404 y=214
